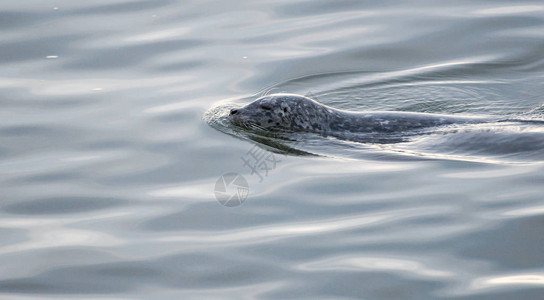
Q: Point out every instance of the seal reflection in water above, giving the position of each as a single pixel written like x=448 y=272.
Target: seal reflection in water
x=295 y=113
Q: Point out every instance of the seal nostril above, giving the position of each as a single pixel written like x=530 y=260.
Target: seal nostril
x=233 y=111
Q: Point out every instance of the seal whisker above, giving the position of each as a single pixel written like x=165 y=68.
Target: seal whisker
x=252 y=125
x=257 y=127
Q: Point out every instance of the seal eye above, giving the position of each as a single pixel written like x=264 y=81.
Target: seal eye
x=266 y=107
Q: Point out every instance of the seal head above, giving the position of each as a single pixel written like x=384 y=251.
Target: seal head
x=282 y=112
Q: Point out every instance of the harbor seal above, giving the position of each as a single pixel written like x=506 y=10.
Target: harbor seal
x=295 y=113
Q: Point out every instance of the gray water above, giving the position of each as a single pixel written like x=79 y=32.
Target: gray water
x=108 y=164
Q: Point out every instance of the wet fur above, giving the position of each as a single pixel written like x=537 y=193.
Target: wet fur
x=295 y=113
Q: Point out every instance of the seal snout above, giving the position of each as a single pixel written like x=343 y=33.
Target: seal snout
x=233 y=111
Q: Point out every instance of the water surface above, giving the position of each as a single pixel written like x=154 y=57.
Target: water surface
x=108 y=170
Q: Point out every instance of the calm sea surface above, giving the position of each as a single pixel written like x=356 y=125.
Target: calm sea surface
x=109 y=168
